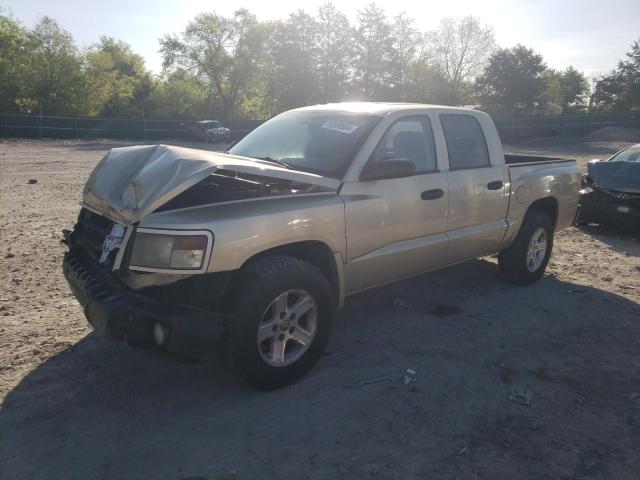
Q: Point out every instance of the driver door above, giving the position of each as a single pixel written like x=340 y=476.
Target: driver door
x=396 y=227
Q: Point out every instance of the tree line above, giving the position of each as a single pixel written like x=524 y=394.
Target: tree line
x=238 y=67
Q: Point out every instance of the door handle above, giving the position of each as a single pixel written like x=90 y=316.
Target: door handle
x=495 y=185
x=432 y=194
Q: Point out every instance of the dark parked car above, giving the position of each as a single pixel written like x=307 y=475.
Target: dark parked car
x=611 y=193
x=211 y=131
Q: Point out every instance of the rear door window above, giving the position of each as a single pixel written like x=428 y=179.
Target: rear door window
x=465 y=142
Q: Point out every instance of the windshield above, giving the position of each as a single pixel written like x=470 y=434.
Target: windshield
x=317 y=142
x=631 y=154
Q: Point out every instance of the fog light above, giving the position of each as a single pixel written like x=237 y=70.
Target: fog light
x=159 y=334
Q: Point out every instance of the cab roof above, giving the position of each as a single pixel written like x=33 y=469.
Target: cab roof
x=376 y=108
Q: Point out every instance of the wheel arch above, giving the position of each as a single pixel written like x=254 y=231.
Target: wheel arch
x=547 y=205
x=315 y=252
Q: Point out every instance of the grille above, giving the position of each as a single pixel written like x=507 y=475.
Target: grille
x=90 y=231
x=612 y=198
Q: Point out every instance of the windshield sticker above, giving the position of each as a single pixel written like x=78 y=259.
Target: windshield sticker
x=340 y=126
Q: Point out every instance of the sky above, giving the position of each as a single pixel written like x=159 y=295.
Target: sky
x=591 y=35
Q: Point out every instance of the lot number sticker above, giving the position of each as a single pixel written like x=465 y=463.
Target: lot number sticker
x=340 y=126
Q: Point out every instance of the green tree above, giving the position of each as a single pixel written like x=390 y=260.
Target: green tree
x=512 y=81
x=17 y=62
x=117 y=82
x=294 y=56
x=575 y=90
x=223 y=54
x=375 y=75
x=178 y=96
x=620 y=90
x=406 y=39
x=568 y=88
x=57 y=70
x=461 y=48
x=334 y=53
x=552 y=85
x=425 y=84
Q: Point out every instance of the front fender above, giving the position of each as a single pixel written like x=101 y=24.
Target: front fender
x=244 y=229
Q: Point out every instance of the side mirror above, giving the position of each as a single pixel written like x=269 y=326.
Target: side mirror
x=388 y=168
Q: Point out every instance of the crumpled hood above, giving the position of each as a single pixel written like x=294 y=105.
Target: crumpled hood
x=131 y=182
x=620 y=176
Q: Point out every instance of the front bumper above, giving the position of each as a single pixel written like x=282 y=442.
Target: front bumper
x=113 y=309
x=601 y=207
x=218 y=136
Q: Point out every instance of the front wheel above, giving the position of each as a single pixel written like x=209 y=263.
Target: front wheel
x=525 y=261
x=283 y=312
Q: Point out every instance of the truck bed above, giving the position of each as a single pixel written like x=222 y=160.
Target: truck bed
x=513 y=159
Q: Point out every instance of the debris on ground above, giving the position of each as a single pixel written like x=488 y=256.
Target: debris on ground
x=409 y=376
x=368 y=381
x=521 y=396
x=32 y=181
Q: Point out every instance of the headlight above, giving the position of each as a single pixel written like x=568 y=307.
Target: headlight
x=176 y=251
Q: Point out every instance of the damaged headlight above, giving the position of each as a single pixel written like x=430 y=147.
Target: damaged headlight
x=177 y=251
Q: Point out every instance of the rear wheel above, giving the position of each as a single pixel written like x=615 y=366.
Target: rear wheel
x=283 y=312
x=525 y=261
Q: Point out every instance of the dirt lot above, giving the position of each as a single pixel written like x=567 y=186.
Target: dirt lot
x=80 y=406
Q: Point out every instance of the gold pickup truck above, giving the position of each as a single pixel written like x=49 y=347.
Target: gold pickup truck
x=255 y=249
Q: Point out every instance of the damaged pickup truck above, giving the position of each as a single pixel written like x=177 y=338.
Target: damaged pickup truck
x=254 y=250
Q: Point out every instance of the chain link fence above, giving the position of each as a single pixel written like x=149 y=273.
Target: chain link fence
x=563 y=125
x=44 y=126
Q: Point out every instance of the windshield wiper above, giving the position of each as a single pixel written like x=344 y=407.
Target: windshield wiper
x=273 y=160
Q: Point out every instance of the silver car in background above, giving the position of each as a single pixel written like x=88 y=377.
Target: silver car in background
x=211 y=131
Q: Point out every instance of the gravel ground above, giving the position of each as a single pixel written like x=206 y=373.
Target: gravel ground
x=76 y=405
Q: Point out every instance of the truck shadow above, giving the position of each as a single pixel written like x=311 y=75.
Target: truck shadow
x=102 y=410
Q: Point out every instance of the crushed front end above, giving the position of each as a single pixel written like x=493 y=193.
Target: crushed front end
x=611 y=194
x=602 y=205
x=175 y=313
x=140 y=255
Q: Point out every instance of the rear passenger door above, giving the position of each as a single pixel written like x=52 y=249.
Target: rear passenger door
x=477 y=199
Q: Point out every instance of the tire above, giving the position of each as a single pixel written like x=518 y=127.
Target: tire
x=515 y=262
x=255 y=301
